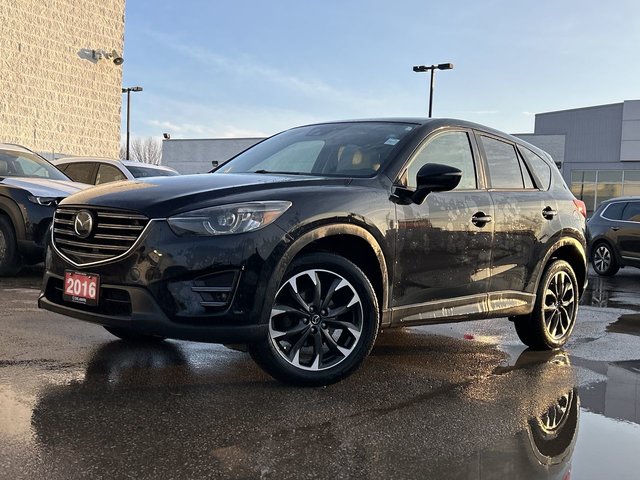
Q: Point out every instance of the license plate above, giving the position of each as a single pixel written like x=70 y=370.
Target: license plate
x=81 y=287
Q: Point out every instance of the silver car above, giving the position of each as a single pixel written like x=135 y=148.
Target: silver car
x=96 y=171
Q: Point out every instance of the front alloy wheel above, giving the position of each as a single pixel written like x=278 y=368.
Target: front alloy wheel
x=323 y=322
x=603 y=261
x=316 y=320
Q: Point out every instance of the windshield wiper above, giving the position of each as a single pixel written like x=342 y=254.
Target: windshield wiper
x=282 y=173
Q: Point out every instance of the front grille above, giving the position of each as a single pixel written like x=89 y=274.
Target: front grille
x=114 y=232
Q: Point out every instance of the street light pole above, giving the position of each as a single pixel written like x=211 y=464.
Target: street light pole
x=432 y=69
x=128 y=91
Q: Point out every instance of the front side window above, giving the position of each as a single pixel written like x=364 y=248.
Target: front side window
x=449 y=148
x=80 y=172
x=27 y=165
x=353 y=149
x=503 y=163
x=108 y=173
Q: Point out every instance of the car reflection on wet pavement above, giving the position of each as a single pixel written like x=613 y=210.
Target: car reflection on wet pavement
x=428 y=403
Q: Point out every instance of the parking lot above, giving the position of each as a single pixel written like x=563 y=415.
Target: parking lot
x=458 y=400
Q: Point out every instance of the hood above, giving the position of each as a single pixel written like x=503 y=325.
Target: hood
x=43 y=187
x=159 y=197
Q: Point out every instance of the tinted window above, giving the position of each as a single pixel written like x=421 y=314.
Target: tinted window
x=451 y=148
x=140 y=172
x=504 y=166
x=108 y=173
x=357 y=149
x=614 y=211
x=22 y=164
x=304 y=155
x=631 y=212
x=540 y=169
x=80 y=172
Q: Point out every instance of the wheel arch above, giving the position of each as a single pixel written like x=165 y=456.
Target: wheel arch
x=11 y=209
x=571 y=251
x=352 y=242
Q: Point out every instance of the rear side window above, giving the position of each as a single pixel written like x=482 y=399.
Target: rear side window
x=614 y=211
x=80 y=172
x=449 y=148
x=504 y=164
x=540 y=169
x=631 y=212
x=108 y=173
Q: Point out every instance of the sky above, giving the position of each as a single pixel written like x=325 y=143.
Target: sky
x=244 y=68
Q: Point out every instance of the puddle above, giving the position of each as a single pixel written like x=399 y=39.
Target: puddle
x=629 y=324
x=619 y=291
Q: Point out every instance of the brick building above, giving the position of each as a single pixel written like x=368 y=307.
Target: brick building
x=56 y=94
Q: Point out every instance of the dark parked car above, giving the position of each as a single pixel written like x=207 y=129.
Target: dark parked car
x=30 y=187
x=614 y=235
x=96 y=171
x=305 y=245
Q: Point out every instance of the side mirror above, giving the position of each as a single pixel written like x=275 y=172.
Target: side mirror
x=434 y=177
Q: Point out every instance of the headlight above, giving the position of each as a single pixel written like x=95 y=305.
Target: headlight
x=228 y=219
x=46 y=201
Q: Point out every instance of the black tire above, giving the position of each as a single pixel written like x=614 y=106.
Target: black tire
x=131 y=336
x=554 y=314
x=603 y=259
x=323 y=323
x=10 y=260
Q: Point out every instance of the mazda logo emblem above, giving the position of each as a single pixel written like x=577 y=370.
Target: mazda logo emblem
x=83 y=223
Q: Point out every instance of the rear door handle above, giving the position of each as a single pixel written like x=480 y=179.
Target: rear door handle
x=480 y=219
x=549 y=213
x=615 y=229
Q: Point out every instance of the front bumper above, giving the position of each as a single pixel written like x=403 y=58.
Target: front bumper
x=209 y=289
x=147 y=317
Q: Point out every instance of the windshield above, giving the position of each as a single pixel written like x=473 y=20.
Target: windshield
x=22 y=164
x=139 y=172
x=355 y=149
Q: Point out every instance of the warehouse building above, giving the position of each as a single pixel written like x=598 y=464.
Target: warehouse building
x=60 y=88
x=600 y=146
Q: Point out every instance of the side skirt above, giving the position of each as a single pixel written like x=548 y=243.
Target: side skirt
x=472 y=307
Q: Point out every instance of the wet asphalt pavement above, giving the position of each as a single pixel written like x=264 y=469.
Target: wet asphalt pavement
x=448 y=401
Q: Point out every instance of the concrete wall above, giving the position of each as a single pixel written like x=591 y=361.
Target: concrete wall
x=630 y=142
x=592 y=134
x=195 y=155
x=54 y=97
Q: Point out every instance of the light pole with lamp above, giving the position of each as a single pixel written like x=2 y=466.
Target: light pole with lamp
x=432 y=68
x=128 y=91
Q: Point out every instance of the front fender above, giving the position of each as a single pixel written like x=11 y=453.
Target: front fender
x=299 y=239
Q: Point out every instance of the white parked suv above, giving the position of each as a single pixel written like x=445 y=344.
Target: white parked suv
x=96 y=171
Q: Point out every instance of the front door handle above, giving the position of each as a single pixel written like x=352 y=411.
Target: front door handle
x=615 y=229
x=549 y=213
x=480 y=219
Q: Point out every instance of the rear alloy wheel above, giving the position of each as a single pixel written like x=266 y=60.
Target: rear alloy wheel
x=604 y=261
x=10 y=261
x=323 y=322
x=553 y=318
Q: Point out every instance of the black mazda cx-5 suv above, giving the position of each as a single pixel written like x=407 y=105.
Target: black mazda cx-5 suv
x=305 y=245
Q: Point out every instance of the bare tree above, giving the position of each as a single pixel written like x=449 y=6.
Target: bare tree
x=146 y=150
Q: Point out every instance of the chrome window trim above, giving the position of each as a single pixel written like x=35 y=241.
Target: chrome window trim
x=611 y=219
x=109 y=260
